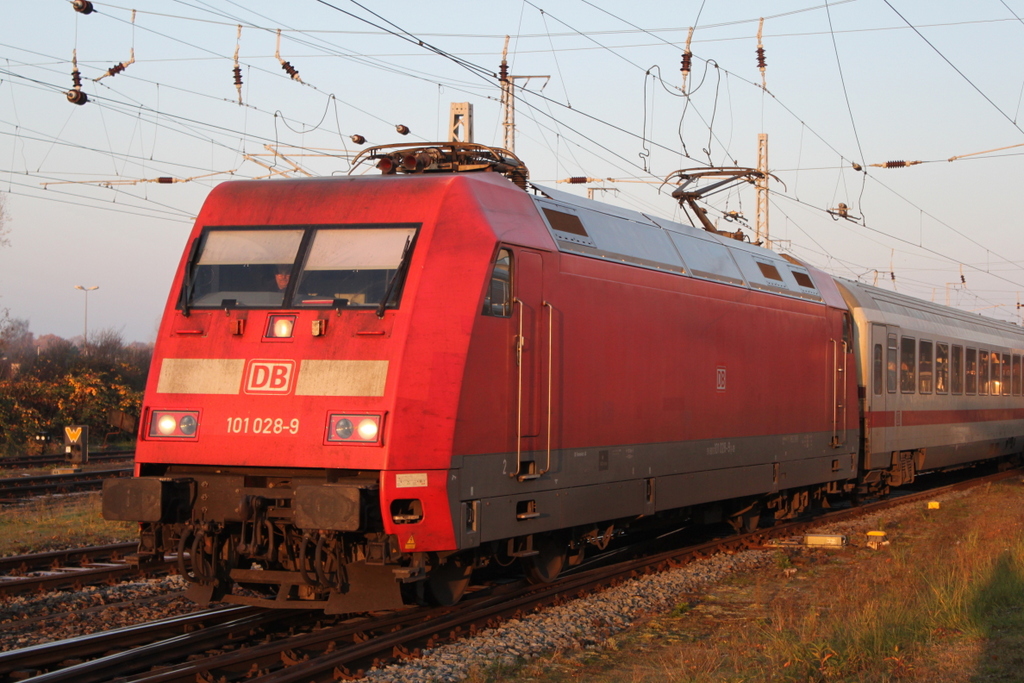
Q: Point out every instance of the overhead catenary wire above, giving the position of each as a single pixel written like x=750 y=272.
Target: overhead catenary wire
x=555 y=120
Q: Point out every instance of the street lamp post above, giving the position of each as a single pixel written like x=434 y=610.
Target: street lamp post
x=85 y=329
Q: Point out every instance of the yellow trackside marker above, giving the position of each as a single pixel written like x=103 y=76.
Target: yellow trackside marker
x=73 y=434
x=933 y=505
x=411 y=543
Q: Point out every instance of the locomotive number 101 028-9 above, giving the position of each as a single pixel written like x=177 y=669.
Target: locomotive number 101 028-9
x=263 y=425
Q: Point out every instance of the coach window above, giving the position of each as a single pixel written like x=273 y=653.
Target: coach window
x=1016 y=375
x=1007 y=374
x=941 y=368
x=995 y=382
x=877 y=378
x=924 y=368
x=972 y=371
x=983 y=372
x=890 y=365
x=957 y=369
x=908 y=349
x=498 y=300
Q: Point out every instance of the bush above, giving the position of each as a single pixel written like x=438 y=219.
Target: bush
x=50 y=382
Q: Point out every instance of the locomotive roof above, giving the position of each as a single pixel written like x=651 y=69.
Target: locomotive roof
x=591 y=228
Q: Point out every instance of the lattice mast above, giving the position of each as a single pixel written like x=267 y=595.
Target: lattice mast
x=761 y=184
x=508 y=105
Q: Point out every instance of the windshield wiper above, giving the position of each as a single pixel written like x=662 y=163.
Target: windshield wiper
x=403 y=265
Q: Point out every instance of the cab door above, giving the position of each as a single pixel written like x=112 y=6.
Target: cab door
x=529 y=346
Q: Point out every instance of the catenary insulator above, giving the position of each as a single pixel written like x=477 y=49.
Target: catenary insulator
x=116 y=69
x=857 y=167
x=165 y=180
x=897 y=164
x=358 y=139
x=238 y=75
x=760 y=58
x=578 y=180
x=76 y=78
x=402 y=130
x=290 y=70
x=687 y=62
x=83 y=6
x=77 y=97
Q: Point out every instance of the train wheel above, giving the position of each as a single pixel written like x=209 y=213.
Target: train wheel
x=747 y=521
x=447 y=582
x=549 y=561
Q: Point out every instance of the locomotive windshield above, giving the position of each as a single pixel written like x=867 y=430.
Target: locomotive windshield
x=298 y=267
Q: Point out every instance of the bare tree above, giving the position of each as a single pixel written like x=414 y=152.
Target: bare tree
x=4 y=230
x=4 y=242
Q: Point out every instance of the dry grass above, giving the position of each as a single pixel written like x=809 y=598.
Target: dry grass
x=59 y=522
x=943 y=603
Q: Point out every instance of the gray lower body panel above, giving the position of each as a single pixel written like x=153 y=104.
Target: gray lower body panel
x=594 y=485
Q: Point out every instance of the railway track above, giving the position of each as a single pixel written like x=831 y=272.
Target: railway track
x=30 y=461
x=17 y=489
x=323 y=648
x=71 y=568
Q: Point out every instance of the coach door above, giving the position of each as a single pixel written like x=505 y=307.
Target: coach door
x=839 y=355
x=531 y=348
x=883 y=394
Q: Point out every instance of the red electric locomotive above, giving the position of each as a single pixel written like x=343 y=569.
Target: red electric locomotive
x=365 y=383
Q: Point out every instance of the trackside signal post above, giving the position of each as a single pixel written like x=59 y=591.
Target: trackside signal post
x=76 y=448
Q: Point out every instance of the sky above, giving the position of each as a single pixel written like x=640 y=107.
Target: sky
x=846 y=84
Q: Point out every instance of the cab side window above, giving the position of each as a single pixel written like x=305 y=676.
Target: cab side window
x=498 y=299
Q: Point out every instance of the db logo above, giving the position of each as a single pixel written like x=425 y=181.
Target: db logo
x=269 y=376
x=720 y=379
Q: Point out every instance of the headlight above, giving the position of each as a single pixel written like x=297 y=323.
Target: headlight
x=367 y=429
x=358 y=429
x=180 y=424
x=280 y=326
x=187 y=425
x=166 y=425
x=343 y=428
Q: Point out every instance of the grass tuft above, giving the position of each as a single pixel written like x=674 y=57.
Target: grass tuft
x=59 y=522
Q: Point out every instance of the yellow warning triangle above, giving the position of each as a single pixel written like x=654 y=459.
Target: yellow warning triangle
x=411 y=543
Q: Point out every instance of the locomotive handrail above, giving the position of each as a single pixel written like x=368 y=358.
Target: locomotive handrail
x=837 y=403
x=519 y=395
x=520 y=343
x=551 y=343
